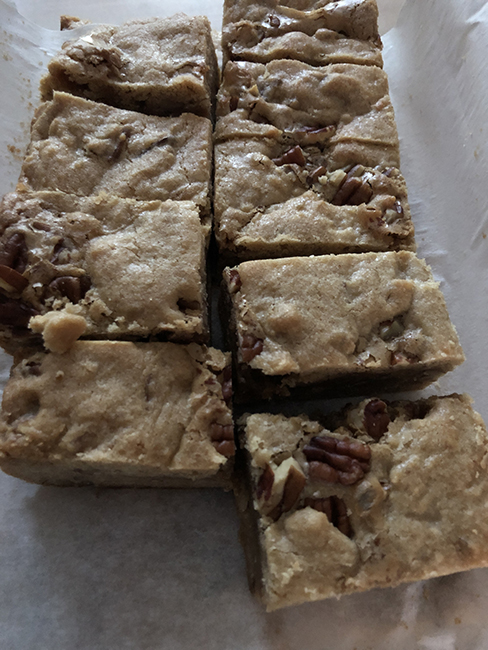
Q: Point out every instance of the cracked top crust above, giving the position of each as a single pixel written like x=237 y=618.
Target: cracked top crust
x=319 y=316
x=142 y=406
x=314 y=32
x=293 y=203
x=417 y=511
x=159 y=66
x=129 y=268
x=82 y=147
x=352 y=101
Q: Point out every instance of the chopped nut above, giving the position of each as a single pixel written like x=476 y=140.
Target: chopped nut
x=336 y=511
x=312 y=135
x=337 y=460
x=226 y=379
x=12 y=280
x=74 y=288
x=314 y=176
x=353 y=190
x=376 y=419
x=403 y=357
x=251 y=346
x=121 y=144
x=233 y=104
x=265 y=484
x=390 y=329
x=280 y=490
x=222 y=437
x=14 y=253
x=235 y=282
x=293 y=156
x=274 y=21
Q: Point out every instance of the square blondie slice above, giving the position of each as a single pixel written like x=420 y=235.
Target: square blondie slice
x=158 y=66
x=117 y=413
x=314 y=32
x=83 y=147
x=292 y=203
x=392 y=493
x=342 y=108
x=101 y=267
x=336 y=325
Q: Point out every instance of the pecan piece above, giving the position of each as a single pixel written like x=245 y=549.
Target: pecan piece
x=226 y=379
x=233 y=103
x=12 y=280
x=251 y=346
x=14 y=253
x=222 y=437
x=314 y=176
x=336 y=511
x=15 y=313
x=336 y=460
x=265 y=484
x=274 y=21
x=280 y=490
x=390 y=329
x=235 y=282
x=353 y=190
x=403 y=357
x=293 y=156
x=376 y=419
x=73 y=288
x=121 y=144
x=311 y=135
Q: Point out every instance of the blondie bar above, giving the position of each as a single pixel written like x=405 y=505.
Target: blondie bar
x=391 y=493
x=337 y=324
x=159 y=66
x=83 y=147
x=314 y=32
x=115 y=413
x=291 y=203
x=343 y=108
x=124 y=268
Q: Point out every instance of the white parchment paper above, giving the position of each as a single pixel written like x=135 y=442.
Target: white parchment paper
x=84 y=569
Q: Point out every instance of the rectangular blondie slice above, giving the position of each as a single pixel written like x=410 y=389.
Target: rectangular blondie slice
x=337 y=324
x=159 y=66
x=120 y=268
x=291 y=203
x=317 y=32
x=114 y=413
x=391 y=493
x=83 y=147
x=341 y=109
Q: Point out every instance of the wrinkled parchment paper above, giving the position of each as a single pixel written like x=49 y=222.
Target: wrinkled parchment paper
x=83 y=569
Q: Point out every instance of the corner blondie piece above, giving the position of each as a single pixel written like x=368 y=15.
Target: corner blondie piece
x=337 y=325
x=397 y=492
x=314 y=32
x=158 y=66
x=124 y=268
x=291 y=203
x=342 y=108
x=119 y=414
x=81 y=147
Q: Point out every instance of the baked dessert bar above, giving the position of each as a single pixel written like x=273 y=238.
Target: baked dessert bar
x=393 y=493
x=159 y=66
x=292 y=204
x=117 y=413
x=83 y=147
x=124 y=268
x=342 y=108
x=337 y=325
x=317 y=32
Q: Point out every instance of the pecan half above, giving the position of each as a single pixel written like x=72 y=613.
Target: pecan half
x=376 y=419
x=293 y=156
x=251 y=346
x=336 y=460
x=12 y=280
x=336 y=511
x=73 y=288
x=222 y=437
x=280 y=490
x=14 y=253
x=353 y=190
